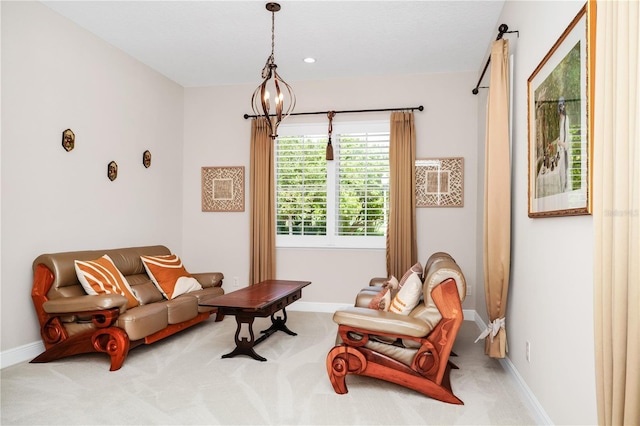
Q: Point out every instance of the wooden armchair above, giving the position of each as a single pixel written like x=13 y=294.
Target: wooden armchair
x=410 y=350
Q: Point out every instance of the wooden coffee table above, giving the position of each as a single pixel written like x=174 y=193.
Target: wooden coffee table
x=259 y=300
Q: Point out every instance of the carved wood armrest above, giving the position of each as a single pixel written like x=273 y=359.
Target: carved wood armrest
x=101 y=319
x=427 y=361
x=85 y=304
x=53 y=332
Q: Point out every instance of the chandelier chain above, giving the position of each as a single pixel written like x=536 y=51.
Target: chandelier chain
x=273 y=32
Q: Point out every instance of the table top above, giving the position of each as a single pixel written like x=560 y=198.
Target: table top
x=257 y=296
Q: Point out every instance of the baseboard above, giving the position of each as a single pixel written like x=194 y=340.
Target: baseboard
x=324 y=307
x=469 y=314
x=530 y=399
x=540 y=414
x=302 y=306
x=20 y=354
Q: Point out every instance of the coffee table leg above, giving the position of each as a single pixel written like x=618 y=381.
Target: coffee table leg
x=277 y=323
x=244 y=346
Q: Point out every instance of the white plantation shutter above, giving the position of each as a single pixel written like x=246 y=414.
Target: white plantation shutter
x=301 y=185
x=362 y=183
x=339 y=203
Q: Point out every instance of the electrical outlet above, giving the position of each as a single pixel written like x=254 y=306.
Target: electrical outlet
x=469 y=290
x=527 y=351
x=236 y=283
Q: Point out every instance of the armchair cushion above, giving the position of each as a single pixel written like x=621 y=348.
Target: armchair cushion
x=100 y=276
x=380 y=321
x=169 y=275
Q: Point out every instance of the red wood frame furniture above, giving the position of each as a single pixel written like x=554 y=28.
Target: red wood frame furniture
x=409 y=350
x=72 y=322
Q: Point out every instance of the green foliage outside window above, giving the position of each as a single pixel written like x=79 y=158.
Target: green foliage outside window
x=363 y=193
x=362 y=173
x=301 y=187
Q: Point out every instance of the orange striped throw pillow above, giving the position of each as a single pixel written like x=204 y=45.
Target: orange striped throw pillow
x=101 y=276
x=169 y=275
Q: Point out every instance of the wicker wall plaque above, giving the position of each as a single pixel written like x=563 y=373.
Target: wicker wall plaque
x=439 y=182
x=223 y=189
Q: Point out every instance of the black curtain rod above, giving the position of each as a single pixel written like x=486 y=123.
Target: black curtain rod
x=419 y=108
x=502 y=29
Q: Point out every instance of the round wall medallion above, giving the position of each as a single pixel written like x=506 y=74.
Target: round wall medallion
x=146 y=159
x=68 y=140
x=112 y=170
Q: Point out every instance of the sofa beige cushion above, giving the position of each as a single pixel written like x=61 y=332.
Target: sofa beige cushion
x=144 y=320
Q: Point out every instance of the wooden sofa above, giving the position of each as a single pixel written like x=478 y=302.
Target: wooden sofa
x=409 y=350
x=73 y=322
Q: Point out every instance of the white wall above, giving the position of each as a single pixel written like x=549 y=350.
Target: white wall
x=551 y=293
x=216 y=134
x=56 y=75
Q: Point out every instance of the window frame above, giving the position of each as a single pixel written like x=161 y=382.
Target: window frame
x=331 y=240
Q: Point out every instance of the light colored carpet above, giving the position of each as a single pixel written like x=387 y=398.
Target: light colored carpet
x=183 y=381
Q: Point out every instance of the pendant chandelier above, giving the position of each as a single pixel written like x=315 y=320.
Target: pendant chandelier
x=284 y=100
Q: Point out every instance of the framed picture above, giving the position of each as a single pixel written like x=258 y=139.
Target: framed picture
x=223 y=189
x=439 y=182
x=559 y=125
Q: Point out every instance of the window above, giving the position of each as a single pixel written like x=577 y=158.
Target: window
x=339 y=203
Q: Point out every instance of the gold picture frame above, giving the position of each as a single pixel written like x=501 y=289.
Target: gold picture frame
x=440 y=182
x=223 y=189
x=560 y=124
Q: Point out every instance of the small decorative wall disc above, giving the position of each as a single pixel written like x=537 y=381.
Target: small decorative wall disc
x=68 y=140
x=146 y=159
x=112 y=171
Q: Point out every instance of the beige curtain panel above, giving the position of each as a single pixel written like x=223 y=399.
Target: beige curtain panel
x=402 y=248
x=616 y=212
x=497 y=203
x=262 y=208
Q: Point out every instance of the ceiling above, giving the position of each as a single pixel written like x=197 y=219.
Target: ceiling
x=209 y=43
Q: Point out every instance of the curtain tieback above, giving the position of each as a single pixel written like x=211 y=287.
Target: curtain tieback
x=492 y=329
x=329 y=153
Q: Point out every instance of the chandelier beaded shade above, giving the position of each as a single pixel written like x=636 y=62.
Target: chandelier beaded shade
x=284 y=100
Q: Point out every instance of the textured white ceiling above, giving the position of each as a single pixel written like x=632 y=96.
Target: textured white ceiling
x=207 y=43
